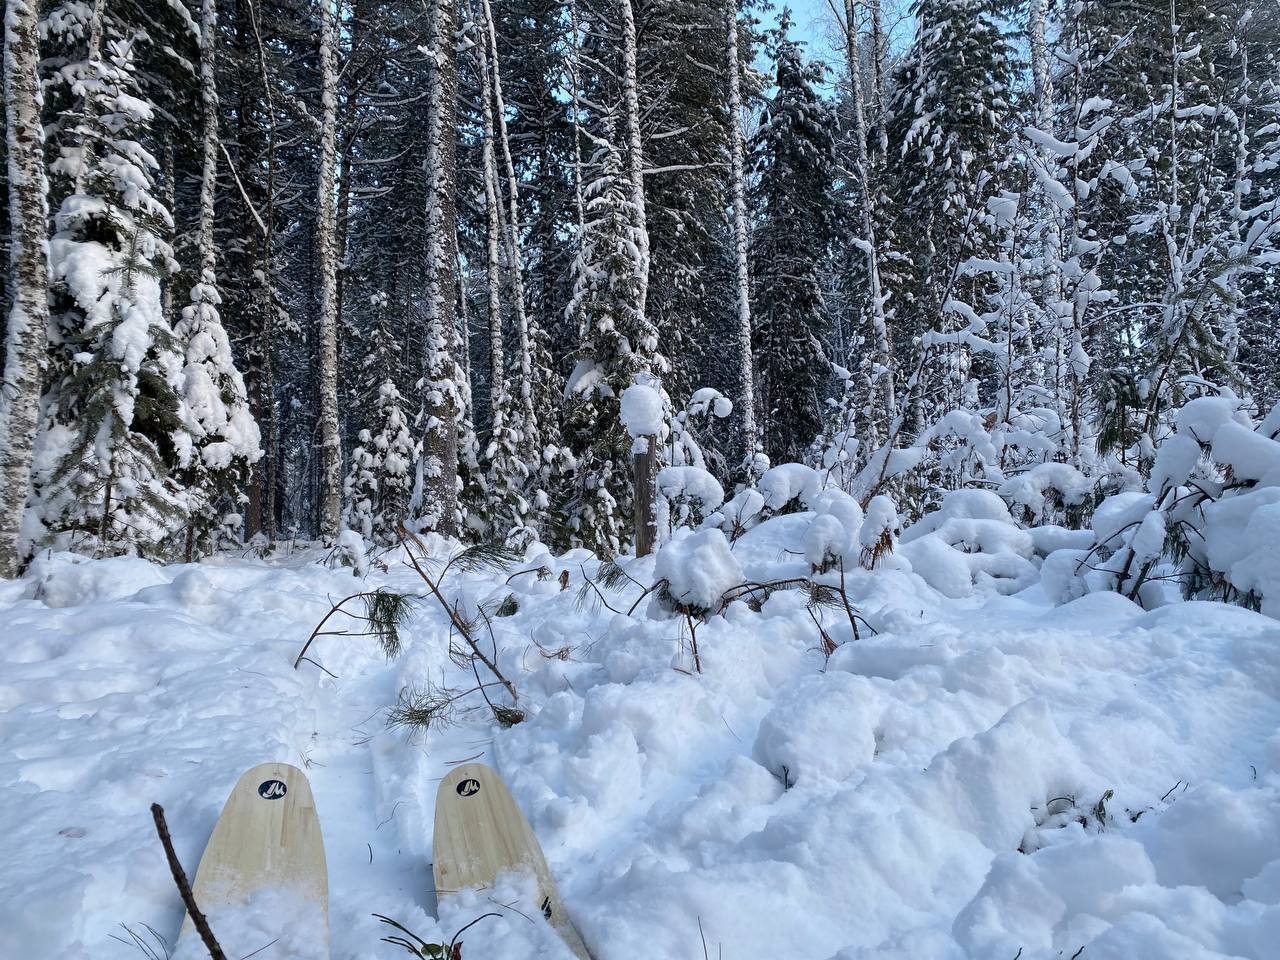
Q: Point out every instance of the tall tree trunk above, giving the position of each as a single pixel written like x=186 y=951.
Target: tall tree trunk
x=531 y=436
x=85 y=140
x=29 y=275
x=270 y=502
x=254 y=259
x=209 y=132
x=879 y=324
x=742 y=277
x=1058 y=311
x=879 y=52
x=493 y=264
x=575 y=80
x=635 y=144
x=326 y=240
x=442 y=399
x=168 y=196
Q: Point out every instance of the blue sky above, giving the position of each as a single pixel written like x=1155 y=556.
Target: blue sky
x=814 y=24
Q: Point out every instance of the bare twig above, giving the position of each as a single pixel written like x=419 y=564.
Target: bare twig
x=461 y=625
x=180 y=878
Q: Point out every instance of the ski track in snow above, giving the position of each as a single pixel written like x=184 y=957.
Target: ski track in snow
x=926 y=766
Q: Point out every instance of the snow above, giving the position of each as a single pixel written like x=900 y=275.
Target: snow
x=699 y=568
x=1242 y=539
x=1030 y=488
x=786 y=482
x=691 y=483
x=642 y=411
x=973 y=777
x=291 y=920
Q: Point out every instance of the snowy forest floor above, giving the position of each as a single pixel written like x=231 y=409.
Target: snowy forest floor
x=980 y=777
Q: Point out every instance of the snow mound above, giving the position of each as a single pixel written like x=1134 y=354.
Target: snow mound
x=788 y=482
x=969 y=779
x=970 y=543
x=699 y=568
x=642 y=411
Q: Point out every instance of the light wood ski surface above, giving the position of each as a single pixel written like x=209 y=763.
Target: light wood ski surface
x=481 y=833
x=265 y=865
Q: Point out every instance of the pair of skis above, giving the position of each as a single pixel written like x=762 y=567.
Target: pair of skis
x=264 y=866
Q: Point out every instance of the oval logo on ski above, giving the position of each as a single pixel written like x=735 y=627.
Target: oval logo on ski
x=469 y=787
x=272 y=789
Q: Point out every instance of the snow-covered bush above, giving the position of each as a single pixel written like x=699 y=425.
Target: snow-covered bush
x=699 y=569
x=970 y=542
x=832 y=538
x=740 y=514
x=878 y=534
x=786 y=483
x=1209 y=519
x=686 y=495
x=1046 y=492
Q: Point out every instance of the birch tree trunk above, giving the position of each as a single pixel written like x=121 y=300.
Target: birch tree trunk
x=493 y=266
x=529 y=431
x=879 y=52
x=326 y=238
x=209 y=132
x=742 y=281
x=29 y=275
x=575 y=81
x=879 y=325
x=441 y=393
x=635 y=146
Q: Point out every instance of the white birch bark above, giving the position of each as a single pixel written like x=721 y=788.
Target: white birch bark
x=575 y=81
x=493 y=265
x=529 y=431
x=742 y=277
x=443 y=403
x=29 y=275
x=326 y=238
x=635 y=145
x=883 y=376
x=93 y=58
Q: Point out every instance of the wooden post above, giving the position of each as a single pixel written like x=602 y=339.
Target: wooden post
x=646 y=483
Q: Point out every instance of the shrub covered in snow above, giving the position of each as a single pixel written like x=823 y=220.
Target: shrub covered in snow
x=1209 y=519
x=699 y=568
x=971 y=541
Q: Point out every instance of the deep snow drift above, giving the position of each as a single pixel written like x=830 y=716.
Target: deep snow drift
x=984 y=774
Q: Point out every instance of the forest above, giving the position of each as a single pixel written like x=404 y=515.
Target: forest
x=813 y=475
x=330 y=266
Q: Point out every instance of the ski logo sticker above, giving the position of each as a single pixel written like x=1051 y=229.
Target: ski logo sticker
x=469 y=787
x=272 y=789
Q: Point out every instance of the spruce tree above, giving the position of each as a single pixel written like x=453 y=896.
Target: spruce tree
x=380 y=479
x=618 y=345
x=217 y=412
x=115 y=413
x=794 y=154
x=950 y=117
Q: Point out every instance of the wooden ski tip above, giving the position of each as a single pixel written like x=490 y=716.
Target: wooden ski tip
x=480 y=833
x=263 y=875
